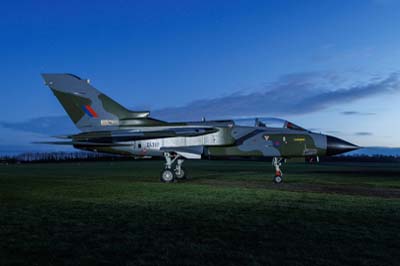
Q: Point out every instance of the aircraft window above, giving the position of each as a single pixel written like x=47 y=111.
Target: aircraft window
x=244 y=122
x=267 y=122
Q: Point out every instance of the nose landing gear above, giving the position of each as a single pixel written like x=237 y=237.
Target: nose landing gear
x=277 y=162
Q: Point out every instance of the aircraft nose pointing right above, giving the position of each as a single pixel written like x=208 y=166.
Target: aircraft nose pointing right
x=338 y=146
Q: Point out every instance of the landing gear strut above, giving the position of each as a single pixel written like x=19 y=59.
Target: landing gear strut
x=277 y=162
x=173 y=168
x=180 y=172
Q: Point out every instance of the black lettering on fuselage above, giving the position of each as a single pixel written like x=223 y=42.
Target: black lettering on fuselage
x=152 y=145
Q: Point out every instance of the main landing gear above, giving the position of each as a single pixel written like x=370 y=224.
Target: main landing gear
x=277 y=162
x=173 y=169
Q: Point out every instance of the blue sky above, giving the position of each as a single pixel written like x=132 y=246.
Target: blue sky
x=332 y=66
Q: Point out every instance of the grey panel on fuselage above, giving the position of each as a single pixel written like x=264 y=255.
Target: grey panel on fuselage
x=258 y=144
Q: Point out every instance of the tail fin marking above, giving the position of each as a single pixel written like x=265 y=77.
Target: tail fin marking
x=90 y=109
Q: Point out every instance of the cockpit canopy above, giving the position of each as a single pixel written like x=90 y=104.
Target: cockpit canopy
x=268 y=122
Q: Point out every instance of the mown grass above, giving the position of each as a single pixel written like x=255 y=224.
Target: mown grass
x=119 y=214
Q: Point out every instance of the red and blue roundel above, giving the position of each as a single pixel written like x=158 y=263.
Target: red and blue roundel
x=89 y=111
x=277 y=143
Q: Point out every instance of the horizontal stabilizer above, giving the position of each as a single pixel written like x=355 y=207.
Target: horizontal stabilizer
x=54 y=142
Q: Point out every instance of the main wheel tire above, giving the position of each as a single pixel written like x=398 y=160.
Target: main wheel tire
x=167 y=176
x=180 y=174
x=278 y=179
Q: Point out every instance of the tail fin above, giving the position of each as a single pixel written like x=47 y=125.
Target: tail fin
x=90 y=109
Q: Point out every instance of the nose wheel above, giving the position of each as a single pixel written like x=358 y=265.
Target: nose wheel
x=277 y=162
x=278 y=179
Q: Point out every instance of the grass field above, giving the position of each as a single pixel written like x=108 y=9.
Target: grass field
x=229 y=213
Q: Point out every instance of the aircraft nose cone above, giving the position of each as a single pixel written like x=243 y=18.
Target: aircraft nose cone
x=338 y=146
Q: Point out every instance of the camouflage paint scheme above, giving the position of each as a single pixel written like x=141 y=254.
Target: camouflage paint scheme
x=111 y=128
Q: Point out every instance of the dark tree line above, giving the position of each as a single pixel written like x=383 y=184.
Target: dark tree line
x=363 y=158
x=43 y=157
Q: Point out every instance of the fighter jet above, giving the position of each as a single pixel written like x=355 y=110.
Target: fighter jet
x=108 y=127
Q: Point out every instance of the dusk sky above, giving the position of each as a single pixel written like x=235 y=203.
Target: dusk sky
x=330 y=66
